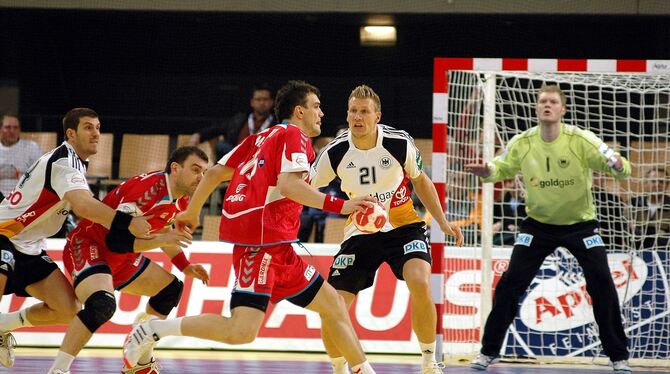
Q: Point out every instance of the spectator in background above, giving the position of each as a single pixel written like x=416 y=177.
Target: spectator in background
x=508 y=213
x=611 y=211
x=651 y=211
x=16 y=154
x=241 y=125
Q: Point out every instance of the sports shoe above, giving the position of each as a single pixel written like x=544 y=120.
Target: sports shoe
x=7 y=344
x=150 y=368
x=621 y=366
x=481 y=362
x=139 y=340
x=433 y=368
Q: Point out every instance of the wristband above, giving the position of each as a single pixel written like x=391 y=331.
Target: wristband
x=180 y=261
x=333 y=204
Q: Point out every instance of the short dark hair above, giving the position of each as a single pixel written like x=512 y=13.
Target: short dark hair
x=659 y=170
x=180 y=155
x=71 y=119
x=293 y=93
x=4 y=114
x=262 y=87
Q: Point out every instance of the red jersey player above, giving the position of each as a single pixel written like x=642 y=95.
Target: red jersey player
x=99 y=264
x=260 y=215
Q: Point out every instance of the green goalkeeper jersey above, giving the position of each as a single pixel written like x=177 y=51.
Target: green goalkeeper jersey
x=558 y=174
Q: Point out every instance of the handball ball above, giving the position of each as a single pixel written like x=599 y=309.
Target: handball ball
x=370 y=220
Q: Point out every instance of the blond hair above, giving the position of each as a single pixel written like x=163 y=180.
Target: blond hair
x=366 y=92
x=553 y=88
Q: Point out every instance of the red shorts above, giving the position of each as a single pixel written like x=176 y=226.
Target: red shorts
x=275 y=271
x=83 y=256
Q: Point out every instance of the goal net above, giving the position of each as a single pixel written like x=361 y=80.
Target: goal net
x=631 y=113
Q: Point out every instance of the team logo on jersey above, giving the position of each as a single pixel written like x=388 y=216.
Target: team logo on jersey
x=351 y=165
x=342 y=261
x=261 y=162
x=25 y=216
x=240 y=187
x=593 y=241
x=7 y=257
x=524 y=239
x=563 y=162
x=415 y=246
x=77 y=179
x=401 y=196
x=385 y=162
x=299 y=161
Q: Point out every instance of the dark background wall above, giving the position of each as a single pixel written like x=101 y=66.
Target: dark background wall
x=172 y=72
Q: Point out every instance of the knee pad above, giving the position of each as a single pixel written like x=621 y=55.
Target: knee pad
x=168 y=297
x=98 y=309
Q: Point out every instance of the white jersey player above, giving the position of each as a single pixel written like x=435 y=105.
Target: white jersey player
x=35 y=210
x=378 y=160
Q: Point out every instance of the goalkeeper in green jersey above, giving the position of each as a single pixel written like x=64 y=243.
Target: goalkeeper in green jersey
x=556 y=161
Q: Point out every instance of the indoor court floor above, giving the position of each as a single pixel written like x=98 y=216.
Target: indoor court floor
x=103 y=361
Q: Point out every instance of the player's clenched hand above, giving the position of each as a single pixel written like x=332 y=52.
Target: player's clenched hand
x=453 y=230
x=358 y=204
x=188 y=219
x=197 y=271
x=140 y=227
x=480 y=170
x=176 y=237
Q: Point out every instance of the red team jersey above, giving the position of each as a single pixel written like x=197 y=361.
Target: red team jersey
x=145 y=194
x=254 y=213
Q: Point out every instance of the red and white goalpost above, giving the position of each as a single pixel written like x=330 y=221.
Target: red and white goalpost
x=480 y=103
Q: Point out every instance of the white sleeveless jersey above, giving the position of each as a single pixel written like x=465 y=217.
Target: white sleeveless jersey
x=35 y=210
x=382 y=172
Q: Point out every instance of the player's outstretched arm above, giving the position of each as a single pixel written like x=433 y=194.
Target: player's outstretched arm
x=179 y=260
x=170 y=238
x=84 y=205
x=427 y=193
x=212 y=179
x=294 y=187
x=480 y=170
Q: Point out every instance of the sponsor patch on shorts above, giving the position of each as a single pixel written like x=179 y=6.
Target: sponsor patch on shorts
x=524 y=239
x=593 y=241
x=7 y=257
x=263 y=270
x=309 y=272
x=415 y=246
x=342 y=261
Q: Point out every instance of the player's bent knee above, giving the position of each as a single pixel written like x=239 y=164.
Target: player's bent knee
x=168 y=298
x=98 y=309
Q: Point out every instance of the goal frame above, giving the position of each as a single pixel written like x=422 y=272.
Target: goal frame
x=440 y=129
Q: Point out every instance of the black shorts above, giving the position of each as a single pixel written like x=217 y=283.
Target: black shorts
x=21 y=269
x=355 y=265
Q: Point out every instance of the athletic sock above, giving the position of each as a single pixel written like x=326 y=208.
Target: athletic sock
x=427 y=353
x=339 y=365
x=168 y=327
x=62 y=362
x=14 y=320
x=363 y=368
